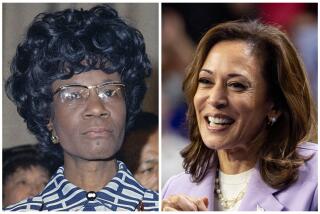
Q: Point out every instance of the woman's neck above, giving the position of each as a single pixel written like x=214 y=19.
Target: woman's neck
x=235 y=161
x=89 y=175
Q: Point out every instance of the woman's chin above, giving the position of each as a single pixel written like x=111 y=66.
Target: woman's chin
x=102 y=153
x=216 y=143
x=94 y=151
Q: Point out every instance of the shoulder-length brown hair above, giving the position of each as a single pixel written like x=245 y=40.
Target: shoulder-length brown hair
x=288 y=87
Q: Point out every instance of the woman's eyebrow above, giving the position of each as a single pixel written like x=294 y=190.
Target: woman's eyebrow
x=235 y=75
x=75 y=82
x=206 y=70
x=153 y=160
x=229 y=75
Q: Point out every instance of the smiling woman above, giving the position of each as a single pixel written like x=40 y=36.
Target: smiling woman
x=251 y=119
x=231 y=76
x=78 y=80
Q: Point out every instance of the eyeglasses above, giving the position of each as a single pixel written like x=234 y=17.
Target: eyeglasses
x=75 y=94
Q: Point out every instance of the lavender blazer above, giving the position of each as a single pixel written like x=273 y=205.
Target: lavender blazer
x=299 y=196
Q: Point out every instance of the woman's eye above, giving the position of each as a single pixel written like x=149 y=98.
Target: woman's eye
x=22 y=182
x=237 y=86
x=72 y=96
x=147 y=170
x=75 y=96
x=107 y=93
x=204 y=81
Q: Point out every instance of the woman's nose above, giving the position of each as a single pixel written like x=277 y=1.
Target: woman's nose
x=95 y=106
x=218 y=96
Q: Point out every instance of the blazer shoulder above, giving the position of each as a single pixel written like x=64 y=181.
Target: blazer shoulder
x=307 y=147
x=181 y=177
x=174 y=183
x=183 y=184
x=310 y=167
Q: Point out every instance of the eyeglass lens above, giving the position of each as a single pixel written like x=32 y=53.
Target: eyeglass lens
x=73 y=95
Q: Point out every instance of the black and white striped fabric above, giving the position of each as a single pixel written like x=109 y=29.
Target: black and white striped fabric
x=122 y=193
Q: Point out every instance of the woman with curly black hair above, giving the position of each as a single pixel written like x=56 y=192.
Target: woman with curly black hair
x=77 y=79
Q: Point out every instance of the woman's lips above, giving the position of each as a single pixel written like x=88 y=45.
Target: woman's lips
x=218 y=127
x=218 y=122
x=96 y=132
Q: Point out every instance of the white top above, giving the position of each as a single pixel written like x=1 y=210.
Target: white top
x=231 y=186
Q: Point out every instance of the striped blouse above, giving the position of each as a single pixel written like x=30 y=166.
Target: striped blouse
x=122 y=193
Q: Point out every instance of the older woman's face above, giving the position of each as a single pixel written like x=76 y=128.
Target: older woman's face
x=93 y=129
x=231 y=99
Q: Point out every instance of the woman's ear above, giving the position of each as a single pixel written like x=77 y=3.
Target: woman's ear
x=50 y=125
x=54 y=137
x=273 y=114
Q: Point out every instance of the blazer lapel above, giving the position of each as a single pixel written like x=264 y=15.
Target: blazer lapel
x=259 y=196
x=210 y=184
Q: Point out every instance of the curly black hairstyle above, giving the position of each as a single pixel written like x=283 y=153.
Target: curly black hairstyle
x=60 y=44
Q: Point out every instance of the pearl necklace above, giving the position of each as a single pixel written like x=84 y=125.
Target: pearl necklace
x=227 y=203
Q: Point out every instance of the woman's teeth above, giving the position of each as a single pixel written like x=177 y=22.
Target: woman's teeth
x=219 y=121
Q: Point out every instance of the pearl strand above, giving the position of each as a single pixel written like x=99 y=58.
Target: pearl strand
x=226 y=203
